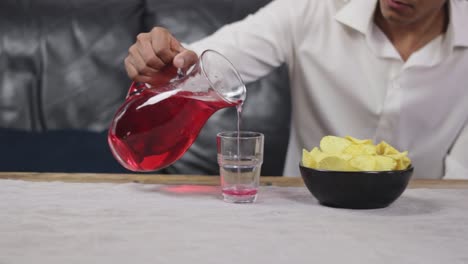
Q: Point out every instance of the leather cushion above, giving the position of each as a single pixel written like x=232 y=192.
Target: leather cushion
x=64 y=61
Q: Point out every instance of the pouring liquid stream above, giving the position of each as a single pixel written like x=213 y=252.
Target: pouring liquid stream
x=239 y=118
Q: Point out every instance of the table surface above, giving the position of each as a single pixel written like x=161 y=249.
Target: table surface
x=105 y=218
x=193 y=179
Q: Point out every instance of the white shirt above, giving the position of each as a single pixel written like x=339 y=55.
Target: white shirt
x=348 y=79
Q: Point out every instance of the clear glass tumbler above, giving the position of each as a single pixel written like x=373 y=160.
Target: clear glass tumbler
x=240 y=158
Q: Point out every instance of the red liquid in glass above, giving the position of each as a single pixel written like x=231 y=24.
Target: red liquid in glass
x=240 y=192
x=155 y=129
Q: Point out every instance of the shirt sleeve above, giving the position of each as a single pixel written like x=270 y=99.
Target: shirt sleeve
x=258 y=43
x=456 y=162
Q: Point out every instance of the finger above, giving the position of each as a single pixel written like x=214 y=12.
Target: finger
x=147 y=53
x=139 y=63
x=185 y=59
x=144 y=79
x=161 y=43
x=176 y=46
x=133 y=73
x=131 y=70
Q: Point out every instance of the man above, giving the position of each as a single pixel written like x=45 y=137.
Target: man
x=383 y=69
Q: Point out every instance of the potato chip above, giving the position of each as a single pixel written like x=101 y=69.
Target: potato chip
x=384 y=163
x=334 y=163
x=363 y=162
x=334 y=145
x=345 y=156
x=360 y=149
x=396 y=156
x=401 y=159
x=308 y=160
x=403 y=163
x=352 y=154
x=317 y=155
x=383 y=148
x=360 y=141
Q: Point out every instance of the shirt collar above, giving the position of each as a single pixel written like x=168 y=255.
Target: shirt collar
x=458 y=21
x=359 y=15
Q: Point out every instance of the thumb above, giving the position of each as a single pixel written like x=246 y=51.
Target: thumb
x=185 y=59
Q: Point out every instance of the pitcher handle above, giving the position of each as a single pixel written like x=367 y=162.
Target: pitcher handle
x=136 y=87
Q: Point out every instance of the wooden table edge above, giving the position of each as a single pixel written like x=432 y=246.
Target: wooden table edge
x=192 y=179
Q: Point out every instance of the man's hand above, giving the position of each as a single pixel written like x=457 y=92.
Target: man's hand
x=153 y=51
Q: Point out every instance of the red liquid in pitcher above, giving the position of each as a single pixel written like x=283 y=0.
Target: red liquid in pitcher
x=156 y=129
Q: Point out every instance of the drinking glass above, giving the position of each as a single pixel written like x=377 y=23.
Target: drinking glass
x=240 y=157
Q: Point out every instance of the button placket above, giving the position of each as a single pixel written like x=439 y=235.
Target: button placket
x=388 y=122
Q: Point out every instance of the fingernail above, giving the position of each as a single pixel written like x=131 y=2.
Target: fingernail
x=179 y=62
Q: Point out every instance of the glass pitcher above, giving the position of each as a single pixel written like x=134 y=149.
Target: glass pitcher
x=157 y=124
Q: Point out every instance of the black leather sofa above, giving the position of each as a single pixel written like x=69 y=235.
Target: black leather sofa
x=62 y=78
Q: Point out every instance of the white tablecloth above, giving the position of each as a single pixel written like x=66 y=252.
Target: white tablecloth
x=135 y=223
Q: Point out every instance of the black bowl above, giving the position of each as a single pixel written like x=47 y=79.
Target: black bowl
x=356 y=189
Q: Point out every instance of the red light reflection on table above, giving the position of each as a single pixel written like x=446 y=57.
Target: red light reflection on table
x=191 y=189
